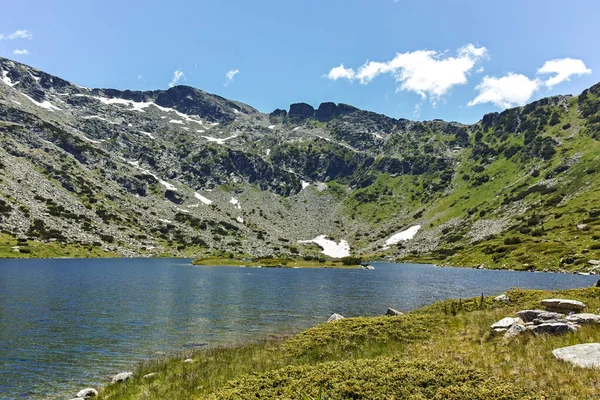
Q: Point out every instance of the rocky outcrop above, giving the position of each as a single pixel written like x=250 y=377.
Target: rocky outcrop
x=301 y=110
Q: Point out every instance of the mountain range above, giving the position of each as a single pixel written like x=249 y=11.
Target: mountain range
x=181 y=172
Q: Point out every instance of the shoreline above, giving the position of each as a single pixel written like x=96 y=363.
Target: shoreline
x=401 y=337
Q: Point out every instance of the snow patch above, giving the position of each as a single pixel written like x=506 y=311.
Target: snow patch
x=236 y=203
x=271 y=127
x=87 y=139
x=377 y=135
x=268 y=151
x=403 y=236
x=202 y=198
x=45 y=104
x=176 y=121
x=240 y=220
x=217 y=140
x=164 y=183
x=147 y=134
x=305 y=184
x=16 y=102
x=330 y=247
x=166 y=221
x=7 y=80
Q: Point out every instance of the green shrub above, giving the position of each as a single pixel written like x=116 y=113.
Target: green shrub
x=512 y=240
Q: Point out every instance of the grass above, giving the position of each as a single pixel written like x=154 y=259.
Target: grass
x=36 y=249
x=442 y=351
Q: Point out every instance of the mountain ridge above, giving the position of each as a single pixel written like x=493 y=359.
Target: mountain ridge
x=184 y=172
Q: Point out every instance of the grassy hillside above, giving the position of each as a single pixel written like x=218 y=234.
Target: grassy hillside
x=442 y=351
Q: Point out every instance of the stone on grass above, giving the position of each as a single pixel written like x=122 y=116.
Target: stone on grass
x=594 y=262
x=335 y=317
x=122 y=377
x=586 y=355
x=503 y=297
x=504 y=323
x=583 y=318
x=188 y=360
x=150 y=375
x=87 y=393
x=391 y=311
x=515 y=330
x=563 y=305
x=552 y=328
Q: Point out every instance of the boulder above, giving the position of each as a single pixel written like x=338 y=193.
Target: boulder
x=503 y=297
x=188 y=360
x=515 y=330
x=529 y=315
x=335 y=317
x=583 y=318
x=563 y=305
x=391 y=311
x=586 y=355
x=505 y=323
x=150 y=375
x=548 y=316
x=552 y=328
x=583 y=227
x=87 y=393
x=594 y=262
x=122 y=377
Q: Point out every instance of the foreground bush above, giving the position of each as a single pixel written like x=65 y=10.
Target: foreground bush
x=380 y=378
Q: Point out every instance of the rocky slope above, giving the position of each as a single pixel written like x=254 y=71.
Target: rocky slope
x=184 y=172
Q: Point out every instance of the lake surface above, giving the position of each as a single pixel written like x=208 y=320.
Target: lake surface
x=69 y=324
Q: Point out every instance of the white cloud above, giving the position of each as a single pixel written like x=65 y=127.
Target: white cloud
x=21 y=52
x=341 y=72
x=417 y=111
x=507 y=91
x=429 y=73
x=563 y=69
x=141 y=78
x=230 y=75
x=20 y=34
x=177 y=75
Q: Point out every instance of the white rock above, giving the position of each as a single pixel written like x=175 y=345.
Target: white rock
x=504 y=323
x=122 y=377
x=150 y=375
x=391 y=311
x=586 y=355
x=515 y=330
x=594 y=262
x=503 y=297
x=335 y=317
x=87 y=393
x=583 y=318
x=563 y=304
x=188 y=360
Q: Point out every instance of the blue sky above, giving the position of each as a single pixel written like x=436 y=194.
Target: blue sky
x=454 y=60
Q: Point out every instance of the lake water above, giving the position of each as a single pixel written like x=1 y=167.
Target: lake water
x=69 y=324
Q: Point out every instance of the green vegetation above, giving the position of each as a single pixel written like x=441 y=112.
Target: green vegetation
x=442 y=351
x=11 y=247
